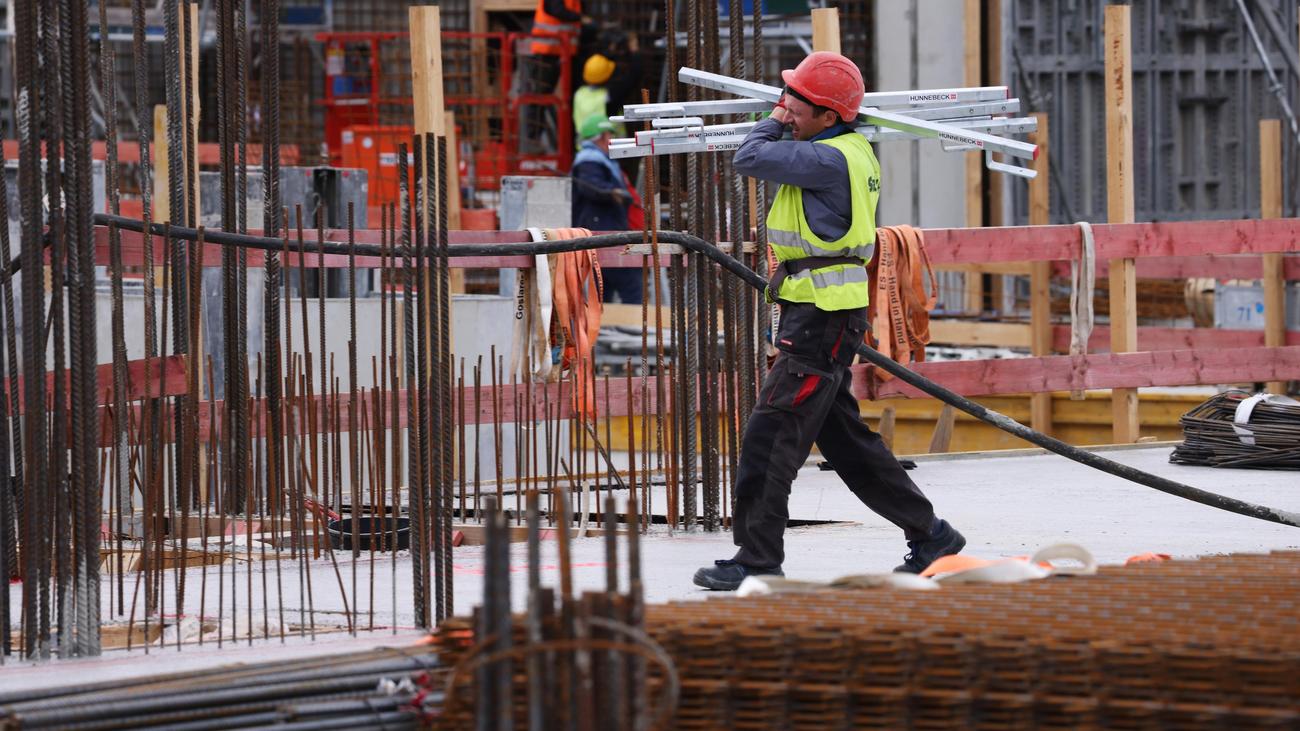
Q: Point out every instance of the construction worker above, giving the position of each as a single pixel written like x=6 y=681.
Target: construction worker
x=593 y=96
x=556 y=23
x=556 y=26
x=602 y=199
x=822 y=230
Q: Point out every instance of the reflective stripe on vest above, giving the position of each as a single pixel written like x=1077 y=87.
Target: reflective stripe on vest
x=837 y=287
x=545 y=24
x=835 y=276
x=554 y=29
x=792 y=240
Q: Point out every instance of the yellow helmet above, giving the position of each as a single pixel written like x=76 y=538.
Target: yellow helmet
x=597 y=70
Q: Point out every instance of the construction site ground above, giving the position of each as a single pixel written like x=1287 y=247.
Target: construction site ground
x=1006 y=505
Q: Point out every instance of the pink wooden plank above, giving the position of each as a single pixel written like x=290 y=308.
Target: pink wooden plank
x=1113 y=241
x=560 y=399
x=1184 y=267
x=1183 y=240
x=1171 y=338
x=1123 y=370
x=165 y=377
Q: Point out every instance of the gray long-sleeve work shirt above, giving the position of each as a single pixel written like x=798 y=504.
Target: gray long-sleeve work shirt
x=819 y=170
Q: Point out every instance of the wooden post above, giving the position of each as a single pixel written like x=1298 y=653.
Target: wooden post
x=426 y=69
x=1040 y=277
x=1270 y=206
x=429 y=109
x=1120 y=208
x=974 y=162
x=886 y=427
x=941 y=439
x=826 y=29
x=453 y=194
x=190 y=108
x=161 y=201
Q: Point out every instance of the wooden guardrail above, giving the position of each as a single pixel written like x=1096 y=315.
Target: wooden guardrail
x=1169 y=356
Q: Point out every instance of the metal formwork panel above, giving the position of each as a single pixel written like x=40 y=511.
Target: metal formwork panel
x=391 y=15
x=1199 y=91
x=8 y=130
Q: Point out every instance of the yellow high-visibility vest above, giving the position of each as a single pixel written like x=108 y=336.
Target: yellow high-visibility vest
x=843 y=286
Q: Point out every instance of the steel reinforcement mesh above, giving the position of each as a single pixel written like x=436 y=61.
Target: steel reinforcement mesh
x=1204 y=644
x=1211 y=643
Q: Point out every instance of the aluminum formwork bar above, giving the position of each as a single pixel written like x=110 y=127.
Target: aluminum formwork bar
x=960 y=111
x=921 y=128
x=645 y=112
x=656 y=112
x=721 y=138
x=694 y=126
x=875 y=99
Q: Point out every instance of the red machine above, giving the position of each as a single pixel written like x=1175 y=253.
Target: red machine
x=368 y=106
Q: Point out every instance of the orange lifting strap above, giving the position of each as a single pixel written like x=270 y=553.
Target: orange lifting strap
x=579 y=290
x=899 y=312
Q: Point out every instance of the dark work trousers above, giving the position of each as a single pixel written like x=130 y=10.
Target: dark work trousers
x=805 y=400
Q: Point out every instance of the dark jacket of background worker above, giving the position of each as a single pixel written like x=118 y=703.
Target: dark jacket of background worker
x=822 y=229
x=602 y=199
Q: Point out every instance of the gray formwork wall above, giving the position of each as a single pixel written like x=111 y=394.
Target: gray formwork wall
x=391 y=15
x=1199 y=92
x=7 y=129
x=7 y=124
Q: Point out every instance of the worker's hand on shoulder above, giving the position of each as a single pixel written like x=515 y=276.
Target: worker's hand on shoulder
x=779 y=112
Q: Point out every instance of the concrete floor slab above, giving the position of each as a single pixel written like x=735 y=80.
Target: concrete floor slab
x=1005 y=505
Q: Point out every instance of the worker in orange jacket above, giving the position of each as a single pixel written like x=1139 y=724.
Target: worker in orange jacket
x=556 y=27
x=556 y=22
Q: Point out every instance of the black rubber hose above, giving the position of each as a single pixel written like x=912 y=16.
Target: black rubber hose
x=700 y=246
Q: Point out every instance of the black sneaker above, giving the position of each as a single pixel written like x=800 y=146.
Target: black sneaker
x=944 y=540
x=726 y=575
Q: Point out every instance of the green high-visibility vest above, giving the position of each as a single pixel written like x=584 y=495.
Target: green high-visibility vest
x=589 y=100
x=843 y=286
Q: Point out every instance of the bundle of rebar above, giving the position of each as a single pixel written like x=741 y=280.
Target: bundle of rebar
x=52 y=509
x=1231 y=430
x=1188 y=644
x=572 y=662
x=382 y=688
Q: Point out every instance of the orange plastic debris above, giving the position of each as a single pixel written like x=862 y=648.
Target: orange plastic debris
x=1148 y=557
x=954 y=563
x=962 y=562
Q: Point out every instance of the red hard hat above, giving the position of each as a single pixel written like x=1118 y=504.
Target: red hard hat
x=829 y=80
